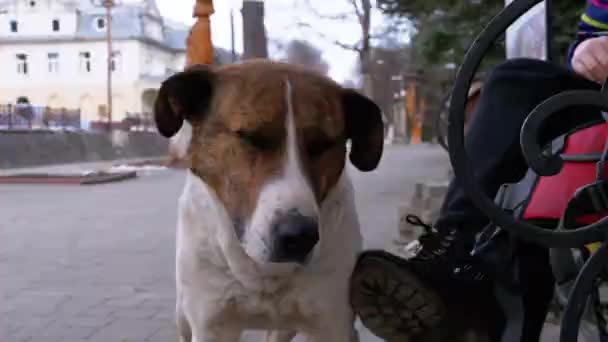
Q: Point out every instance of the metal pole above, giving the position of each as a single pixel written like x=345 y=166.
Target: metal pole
x=232 y=35
x=109 y=4
x=549 y=30
x=10 y=116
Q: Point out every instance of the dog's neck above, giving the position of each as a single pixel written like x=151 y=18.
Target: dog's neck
x=207 y=225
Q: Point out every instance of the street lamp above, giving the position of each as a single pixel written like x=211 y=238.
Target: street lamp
x=232 y=4
x=232 y=43
x=108 y=4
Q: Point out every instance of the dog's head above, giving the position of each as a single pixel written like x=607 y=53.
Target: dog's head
x=270 y=140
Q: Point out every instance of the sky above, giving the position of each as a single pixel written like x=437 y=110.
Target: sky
x=281 y=21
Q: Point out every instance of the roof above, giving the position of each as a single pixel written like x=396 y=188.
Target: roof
x=129 y=21
x=176 y=39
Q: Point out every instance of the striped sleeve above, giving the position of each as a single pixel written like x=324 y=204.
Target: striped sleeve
x=593 y=23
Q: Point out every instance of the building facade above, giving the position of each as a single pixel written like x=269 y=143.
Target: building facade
x=54 y=53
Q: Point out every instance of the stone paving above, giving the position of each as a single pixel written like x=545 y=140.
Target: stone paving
x=95 y=263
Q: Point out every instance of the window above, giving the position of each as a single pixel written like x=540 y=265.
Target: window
x=85 y=61
x=102 y=111
x=100 y=23
x=22 y=64
x=116 y=61
x=53 y=60
x=149 y=59
x=14 y=26
x=56 y=26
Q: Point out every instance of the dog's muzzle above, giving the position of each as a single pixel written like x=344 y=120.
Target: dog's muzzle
x=294 y=237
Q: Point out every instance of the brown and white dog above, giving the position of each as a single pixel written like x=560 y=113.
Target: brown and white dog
x=267 y=233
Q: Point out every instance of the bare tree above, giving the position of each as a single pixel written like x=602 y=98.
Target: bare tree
x=255 y=42
x=361 y=12
x=386 y=68
x=303 y=53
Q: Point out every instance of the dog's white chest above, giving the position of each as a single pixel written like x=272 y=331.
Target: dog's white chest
x=216 y=276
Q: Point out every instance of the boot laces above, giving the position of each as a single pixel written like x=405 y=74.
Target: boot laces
x=431 y=243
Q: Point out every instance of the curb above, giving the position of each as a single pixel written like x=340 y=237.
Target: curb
x=108 y=178
x=67 y=179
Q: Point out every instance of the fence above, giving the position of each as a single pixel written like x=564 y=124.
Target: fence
x=132 y=122
x=26 y=116
x=140 y=122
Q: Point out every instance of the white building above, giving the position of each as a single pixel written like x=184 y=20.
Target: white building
x=54 y=53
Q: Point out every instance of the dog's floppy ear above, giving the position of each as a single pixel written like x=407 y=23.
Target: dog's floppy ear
x=183 y=96
x=365 y=129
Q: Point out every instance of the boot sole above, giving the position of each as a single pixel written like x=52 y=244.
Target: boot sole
x=391 y=301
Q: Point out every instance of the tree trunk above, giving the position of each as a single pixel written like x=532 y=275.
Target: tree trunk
x=364 y=14
x=368 y=82
x=255 y=43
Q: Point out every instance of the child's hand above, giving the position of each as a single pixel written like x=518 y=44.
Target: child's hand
x=590 y=59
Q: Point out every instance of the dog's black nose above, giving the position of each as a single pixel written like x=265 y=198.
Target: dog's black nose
x=295 y=235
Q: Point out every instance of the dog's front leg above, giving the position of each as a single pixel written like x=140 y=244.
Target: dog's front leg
x=280 y=336
x=183 y=327
x=215 y=336
x=207 y=329
x=341 y=329
x=338 y=335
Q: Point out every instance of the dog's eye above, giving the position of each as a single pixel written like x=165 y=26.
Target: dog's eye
x=317 y=148
x=257 y=140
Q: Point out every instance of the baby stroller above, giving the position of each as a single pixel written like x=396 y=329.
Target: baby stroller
x=561 y=203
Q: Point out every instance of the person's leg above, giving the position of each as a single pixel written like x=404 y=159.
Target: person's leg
x=537 y=286
x=512 y=90
x=440 y=287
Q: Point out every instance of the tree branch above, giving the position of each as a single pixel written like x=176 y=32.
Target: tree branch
x=337 y=16
x=355 y=47
x=357 y=11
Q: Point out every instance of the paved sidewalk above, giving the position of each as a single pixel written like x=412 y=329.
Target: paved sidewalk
x=96 y=264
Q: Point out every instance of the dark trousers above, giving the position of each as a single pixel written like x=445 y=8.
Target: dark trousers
x=511 y=91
